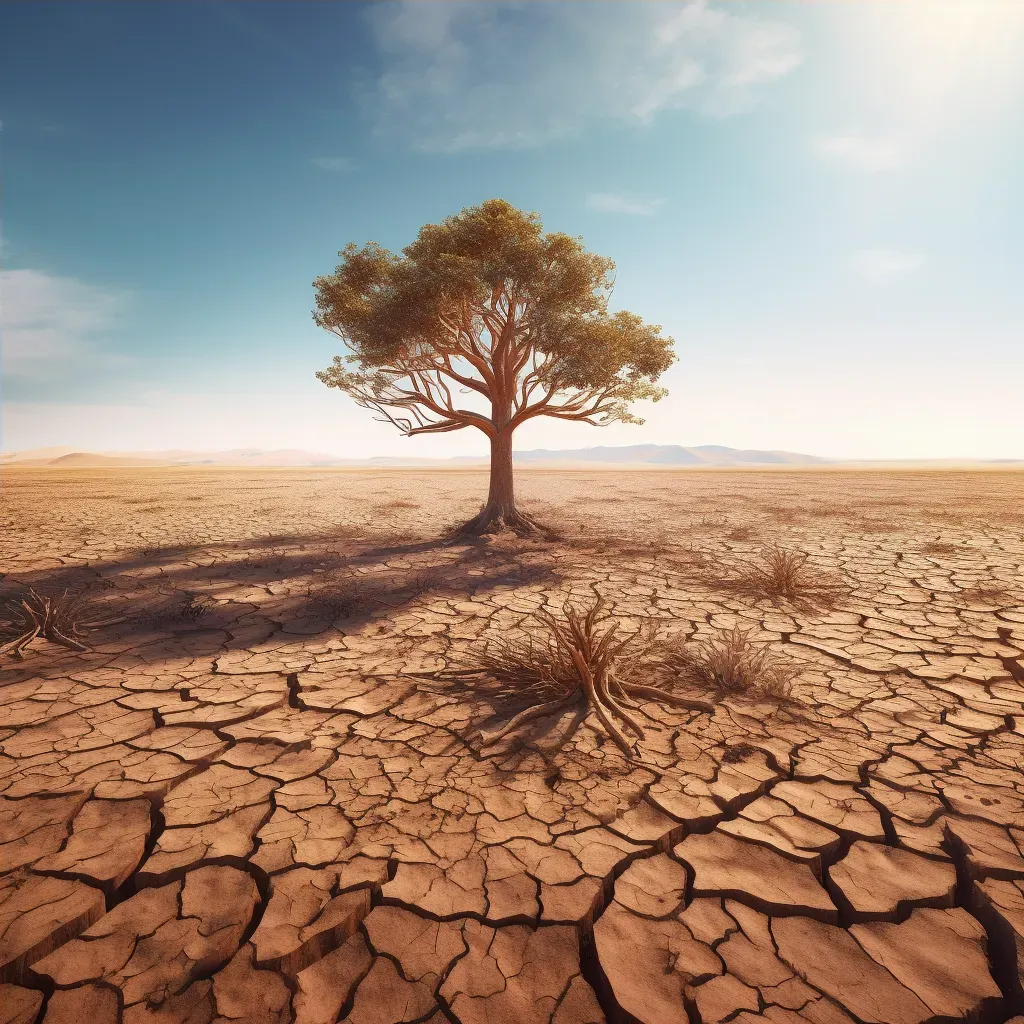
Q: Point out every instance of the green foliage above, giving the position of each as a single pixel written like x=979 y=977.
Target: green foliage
x=487 y=301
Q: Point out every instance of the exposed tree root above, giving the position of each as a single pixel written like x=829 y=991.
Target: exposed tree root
x=578 y=661
x=53 y=618
x=495 y=520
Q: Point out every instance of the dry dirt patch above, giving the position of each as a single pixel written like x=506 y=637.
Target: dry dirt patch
x=263 y=795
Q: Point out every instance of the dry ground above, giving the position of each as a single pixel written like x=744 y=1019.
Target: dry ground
x=259 y=797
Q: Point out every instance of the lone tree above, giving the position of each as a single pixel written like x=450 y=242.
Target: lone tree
x=487 y=305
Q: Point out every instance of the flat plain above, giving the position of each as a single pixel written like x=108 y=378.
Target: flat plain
x=265 y=794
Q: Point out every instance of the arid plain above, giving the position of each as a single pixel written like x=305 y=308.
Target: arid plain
x=266 y=794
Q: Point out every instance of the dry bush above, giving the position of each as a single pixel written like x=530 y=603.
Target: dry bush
x=326 y=601
x=190 y=609
x=62 y=620
x=732 y=664
x=710 y=522
x=780 y=573
x=938 y=547
x=579 y=659
x=737 y=752
x=829 y=509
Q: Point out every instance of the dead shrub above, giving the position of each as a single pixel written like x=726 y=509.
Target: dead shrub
x=731 y=664
x=737 y=752
x=784 y=514
x=939 y=547
x=62 y=620
x=580 y=658
x=780 y=574
x=190 y=609
x=327 y=602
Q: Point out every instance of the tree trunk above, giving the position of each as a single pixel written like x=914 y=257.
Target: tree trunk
x=501 y=501
x=500 y=512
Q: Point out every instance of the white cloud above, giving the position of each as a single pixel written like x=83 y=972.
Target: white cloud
x=860 y=153
x=45 y=318
x=333 y=163
x=882 y=264
x=465 y=75
x=623 y=202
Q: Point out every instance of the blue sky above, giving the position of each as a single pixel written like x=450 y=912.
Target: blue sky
x=822 y=203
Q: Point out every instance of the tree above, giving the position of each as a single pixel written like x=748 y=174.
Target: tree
x=487 y=305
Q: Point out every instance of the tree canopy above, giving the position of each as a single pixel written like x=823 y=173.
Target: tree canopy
x=486 y=304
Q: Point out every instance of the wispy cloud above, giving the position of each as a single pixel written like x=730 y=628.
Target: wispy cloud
x=623 y=202
x=884 y=264
x=333 y=163
x=460 y=76
x=45 y=318
x=860 y=153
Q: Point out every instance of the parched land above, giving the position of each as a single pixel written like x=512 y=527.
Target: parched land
x=265 y=792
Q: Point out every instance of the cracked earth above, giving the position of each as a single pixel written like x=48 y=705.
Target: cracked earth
x=259 y=798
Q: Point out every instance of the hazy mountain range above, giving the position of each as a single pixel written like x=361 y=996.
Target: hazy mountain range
x=627 y=455
x=637 y=454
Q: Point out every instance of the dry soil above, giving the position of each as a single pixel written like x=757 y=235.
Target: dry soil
x=260 y=797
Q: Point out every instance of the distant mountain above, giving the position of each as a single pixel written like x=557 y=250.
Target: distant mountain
x=672 y=455
x=35 y=454
x=246 y=457
x=89 y=460
x=638 y=454
x=70 y=458
x=76 y=460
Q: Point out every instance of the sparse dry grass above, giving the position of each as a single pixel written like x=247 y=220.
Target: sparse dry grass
x=941 y=548
x=329 y=602
x=190 y=609
x=731 y=663
x=779 y=574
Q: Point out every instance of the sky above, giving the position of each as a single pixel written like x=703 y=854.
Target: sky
x=822 y=203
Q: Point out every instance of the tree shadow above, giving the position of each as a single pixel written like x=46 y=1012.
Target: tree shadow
x=301 y=586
